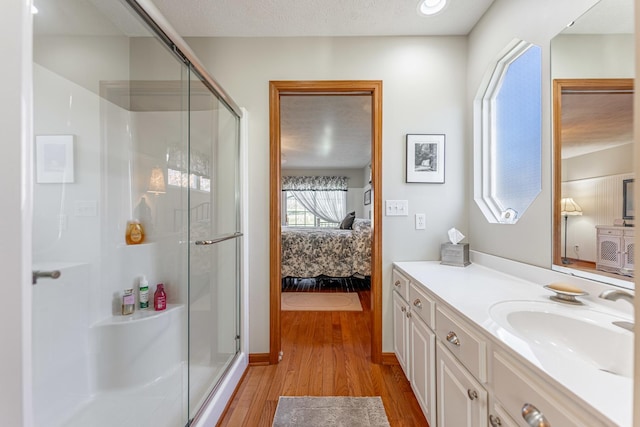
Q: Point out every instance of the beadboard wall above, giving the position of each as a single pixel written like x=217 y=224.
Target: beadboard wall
x=601 y=201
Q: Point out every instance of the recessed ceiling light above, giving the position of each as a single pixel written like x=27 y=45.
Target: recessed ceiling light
x=431 y=7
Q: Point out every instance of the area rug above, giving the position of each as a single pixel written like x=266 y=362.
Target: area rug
x=330 y=412
x=321 y=301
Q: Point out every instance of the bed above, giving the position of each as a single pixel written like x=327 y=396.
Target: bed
x=333 y=252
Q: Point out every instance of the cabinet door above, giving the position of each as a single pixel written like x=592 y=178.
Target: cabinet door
x=609 y=251
x=628 y=253
x=423 y=365
x=401 y=332
x=462 y=402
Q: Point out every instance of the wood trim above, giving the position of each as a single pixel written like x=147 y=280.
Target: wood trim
x=338 y=87
x=259 y=359
x=559 y=85
x=274 y=224
x=376 y=249
x=390 y=359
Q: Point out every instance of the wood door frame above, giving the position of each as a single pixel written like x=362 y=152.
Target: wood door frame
x=361 y=87
x=558 y=86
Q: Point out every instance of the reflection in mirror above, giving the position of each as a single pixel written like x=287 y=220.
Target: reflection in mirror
x=628 y=210
x=592 y=66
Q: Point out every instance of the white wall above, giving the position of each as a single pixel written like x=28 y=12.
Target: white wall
x=15 y=227
x=579 y=56
x=423 y=92
x=538 y=22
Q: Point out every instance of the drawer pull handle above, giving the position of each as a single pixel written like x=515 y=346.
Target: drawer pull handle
x=495 y=421
x=397 y=284
x=473 y=395
x=453 y=338
x=417 y=303
x=408 y=314
x=534 y=417
x=403 y=309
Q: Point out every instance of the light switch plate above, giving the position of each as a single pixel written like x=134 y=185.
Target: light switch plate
x=397 y=207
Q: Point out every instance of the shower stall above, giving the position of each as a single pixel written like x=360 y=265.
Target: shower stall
x=130 y=130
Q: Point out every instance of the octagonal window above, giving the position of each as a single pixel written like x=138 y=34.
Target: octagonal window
x=508 y=134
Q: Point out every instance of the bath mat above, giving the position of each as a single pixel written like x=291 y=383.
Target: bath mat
x=323 y=301
x=330 y=412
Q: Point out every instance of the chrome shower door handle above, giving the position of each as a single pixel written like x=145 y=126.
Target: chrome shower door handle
x=37 y=274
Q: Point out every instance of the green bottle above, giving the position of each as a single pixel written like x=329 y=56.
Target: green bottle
x=143 y=293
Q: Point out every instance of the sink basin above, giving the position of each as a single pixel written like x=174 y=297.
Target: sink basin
x=569 y=331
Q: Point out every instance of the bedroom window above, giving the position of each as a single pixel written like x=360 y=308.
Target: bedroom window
x=314 y=201
x=297 y=215
x=177 y=174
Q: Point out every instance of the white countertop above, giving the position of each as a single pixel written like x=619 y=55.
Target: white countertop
x=471 y=291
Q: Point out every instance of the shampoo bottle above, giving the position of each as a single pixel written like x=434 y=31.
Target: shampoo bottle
x=143 y=293
x=128 y=302
x=160 y=298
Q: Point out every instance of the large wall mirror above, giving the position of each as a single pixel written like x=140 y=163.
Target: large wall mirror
x=592 y=68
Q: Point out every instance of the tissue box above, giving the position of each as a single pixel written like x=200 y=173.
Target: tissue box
x=457 y=255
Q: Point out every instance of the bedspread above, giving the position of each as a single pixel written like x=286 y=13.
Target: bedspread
x=311 y=252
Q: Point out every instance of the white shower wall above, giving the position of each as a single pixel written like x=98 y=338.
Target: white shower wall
x=87 y=244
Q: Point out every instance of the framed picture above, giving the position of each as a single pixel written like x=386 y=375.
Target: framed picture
x=628 y=211
x=367 y=197
x=54 y=159
x=425 y=158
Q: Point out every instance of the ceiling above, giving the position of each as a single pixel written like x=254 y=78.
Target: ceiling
x=300 y=18
x=595 y=121
x=325 y=132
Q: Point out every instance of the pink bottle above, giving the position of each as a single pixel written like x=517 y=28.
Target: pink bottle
x=159 y=298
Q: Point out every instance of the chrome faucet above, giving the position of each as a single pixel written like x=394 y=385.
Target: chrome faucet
x=615 y=295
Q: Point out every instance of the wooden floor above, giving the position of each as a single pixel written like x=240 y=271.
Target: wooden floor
x=325 y=354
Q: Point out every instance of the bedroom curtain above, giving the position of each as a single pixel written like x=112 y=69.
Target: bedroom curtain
x=323 y=196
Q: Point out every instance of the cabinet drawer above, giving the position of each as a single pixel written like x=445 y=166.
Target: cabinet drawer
x=515 y=388
x=401 y=284
x=421 y=305
x=610 y=232
x=462 y=342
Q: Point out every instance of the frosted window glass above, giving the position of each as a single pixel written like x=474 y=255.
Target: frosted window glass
x=508 y=134
x=517 y=174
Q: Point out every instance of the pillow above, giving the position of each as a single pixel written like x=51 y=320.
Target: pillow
x=347 y=222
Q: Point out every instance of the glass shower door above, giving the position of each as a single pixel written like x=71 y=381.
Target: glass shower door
x=214 y=256
x=110 y=103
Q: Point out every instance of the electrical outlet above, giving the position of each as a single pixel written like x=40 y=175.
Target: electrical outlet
x=576 y=248
x=420 y=221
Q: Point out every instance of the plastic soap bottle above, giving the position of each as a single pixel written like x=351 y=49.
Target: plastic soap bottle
x=160 y=298
x=143 y=293
x=135 y=233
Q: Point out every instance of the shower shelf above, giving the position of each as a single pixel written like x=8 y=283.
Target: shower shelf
x=138 y=316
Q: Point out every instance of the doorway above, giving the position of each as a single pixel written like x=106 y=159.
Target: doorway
x=355 y=87
x=593 y=153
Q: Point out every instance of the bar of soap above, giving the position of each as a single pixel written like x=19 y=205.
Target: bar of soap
x=565 y=287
